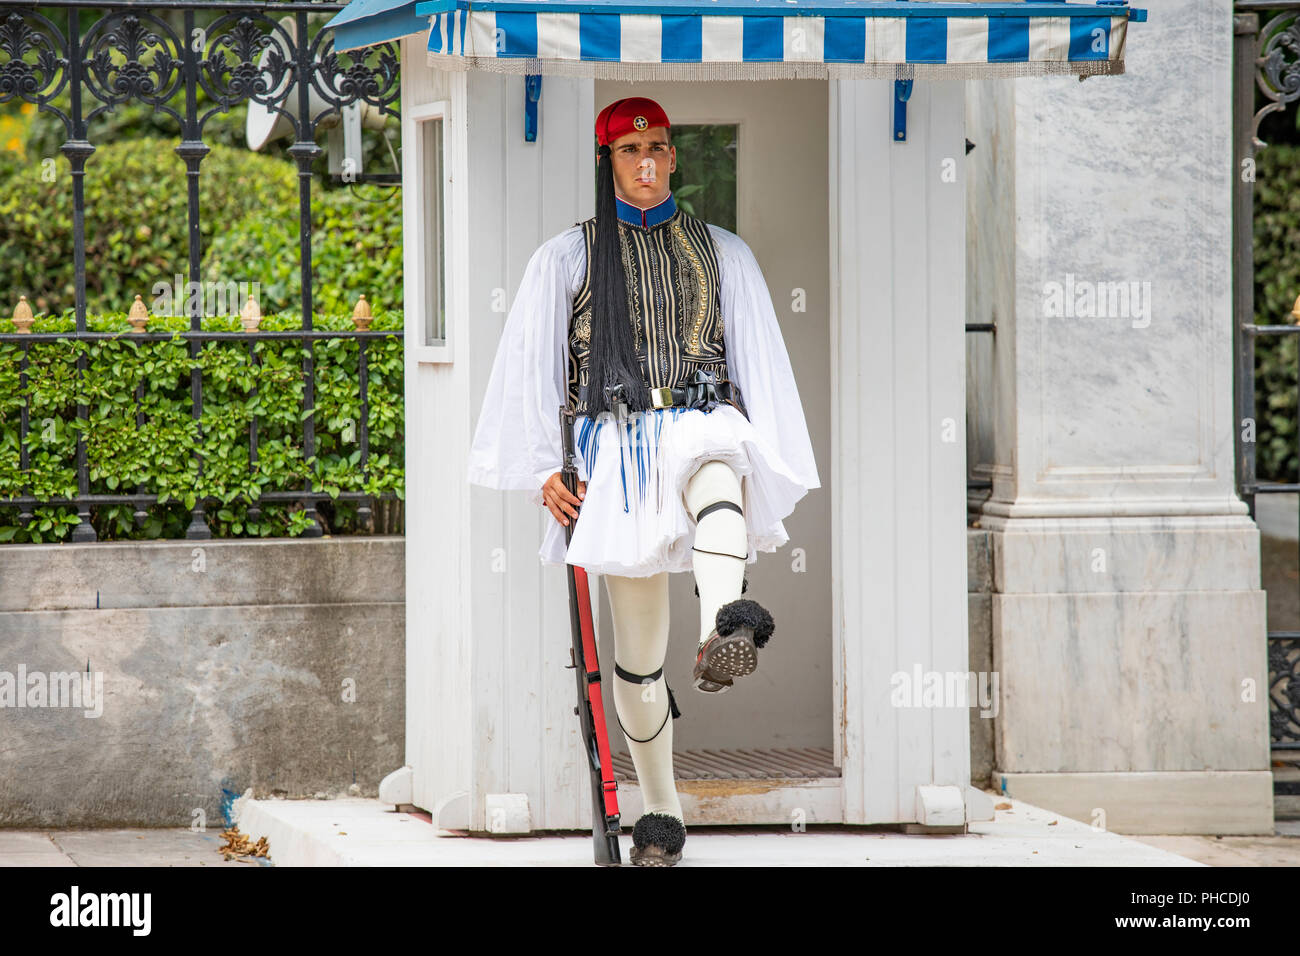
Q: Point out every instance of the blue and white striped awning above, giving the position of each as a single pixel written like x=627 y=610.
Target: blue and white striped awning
x=364 y=23
x=779 y=39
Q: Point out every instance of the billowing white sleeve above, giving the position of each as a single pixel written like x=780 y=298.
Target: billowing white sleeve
x=516 y=442
x=757 y=359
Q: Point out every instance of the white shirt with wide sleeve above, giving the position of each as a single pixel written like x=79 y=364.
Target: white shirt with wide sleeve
x=517 y=440
x=517 y=443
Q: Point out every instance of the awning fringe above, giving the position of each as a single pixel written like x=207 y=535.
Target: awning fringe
x=785 y=70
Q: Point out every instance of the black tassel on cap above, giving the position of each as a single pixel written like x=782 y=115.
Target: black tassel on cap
x=613 y=360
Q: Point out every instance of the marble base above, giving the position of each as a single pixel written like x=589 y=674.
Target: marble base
x=1123 y=553
x=1130 y=646
x=1165 y=680
x=1204 y=802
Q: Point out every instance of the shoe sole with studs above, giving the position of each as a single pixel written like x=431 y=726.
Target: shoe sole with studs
x=724 y=659
x=652 y=855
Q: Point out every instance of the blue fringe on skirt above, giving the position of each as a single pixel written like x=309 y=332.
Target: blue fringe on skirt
x=635 y=441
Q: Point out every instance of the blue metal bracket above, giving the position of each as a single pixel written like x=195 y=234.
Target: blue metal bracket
x=902 y=90
x=532 y=93
x=1136 y=14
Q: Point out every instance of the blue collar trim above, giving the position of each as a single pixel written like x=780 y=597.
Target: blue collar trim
x=645 y=218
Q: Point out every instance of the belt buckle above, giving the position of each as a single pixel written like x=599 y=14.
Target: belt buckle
x=661 y=397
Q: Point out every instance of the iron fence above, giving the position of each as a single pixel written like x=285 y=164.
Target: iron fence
x=113 y=54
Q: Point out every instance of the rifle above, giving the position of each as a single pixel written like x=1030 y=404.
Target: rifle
x=591 y=708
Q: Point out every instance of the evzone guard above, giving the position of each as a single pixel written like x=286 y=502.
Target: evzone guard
x=656 y=330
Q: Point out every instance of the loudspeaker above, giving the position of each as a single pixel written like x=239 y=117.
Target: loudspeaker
x=264 y=125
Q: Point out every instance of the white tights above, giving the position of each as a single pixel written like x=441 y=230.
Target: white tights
x=640 y=612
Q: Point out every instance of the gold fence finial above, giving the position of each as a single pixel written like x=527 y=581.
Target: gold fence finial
x=23 y=315
x=139 y=315
x=361 y=314
x=250 y=317
x=1295 y=311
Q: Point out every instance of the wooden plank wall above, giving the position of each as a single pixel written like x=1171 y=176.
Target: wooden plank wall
x=898 y=367
x=489 y=701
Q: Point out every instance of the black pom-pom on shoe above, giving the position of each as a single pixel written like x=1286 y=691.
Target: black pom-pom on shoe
x=746 y=613
x=657 y=840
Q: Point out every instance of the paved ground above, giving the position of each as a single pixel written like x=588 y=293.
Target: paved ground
x=366 y=833
x=1281 y=850
x=163 y=847
x=359 y=832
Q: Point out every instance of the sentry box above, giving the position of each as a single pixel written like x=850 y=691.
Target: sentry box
x=911 y=176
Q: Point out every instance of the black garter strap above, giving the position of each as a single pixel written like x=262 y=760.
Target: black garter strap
x=714 y=507
x=743 y=557
x=627 y=675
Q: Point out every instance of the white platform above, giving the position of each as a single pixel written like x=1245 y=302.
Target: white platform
x=360 y=832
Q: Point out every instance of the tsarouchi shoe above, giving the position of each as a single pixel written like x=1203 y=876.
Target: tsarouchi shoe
x=741 y=627
x=657 y=840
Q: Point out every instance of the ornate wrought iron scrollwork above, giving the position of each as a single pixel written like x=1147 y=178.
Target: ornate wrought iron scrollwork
x=1278 y=67
x=42 y=79
x=359 y=83
x=131 y=54
x=1284 y=690
x=133 y=35
x=249 y=37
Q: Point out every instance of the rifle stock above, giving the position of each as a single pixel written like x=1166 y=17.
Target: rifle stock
x=591 y=708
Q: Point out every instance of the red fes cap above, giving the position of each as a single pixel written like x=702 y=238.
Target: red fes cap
x=632 y=114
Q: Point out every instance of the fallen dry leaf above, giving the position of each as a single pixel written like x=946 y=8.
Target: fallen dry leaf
x=238 y=847
x=1002 y=806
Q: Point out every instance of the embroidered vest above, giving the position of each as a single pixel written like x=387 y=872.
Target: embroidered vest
x=673 y=300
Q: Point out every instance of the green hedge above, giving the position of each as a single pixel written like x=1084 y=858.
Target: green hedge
x=1277 y=284
x=356 y=248
x=125 y=457
x=137 y=222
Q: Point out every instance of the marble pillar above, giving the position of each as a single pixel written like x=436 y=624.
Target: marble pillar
x=1128 y=619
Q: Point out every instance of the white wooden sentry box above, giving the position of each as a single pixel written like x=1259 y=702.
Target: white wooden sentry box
x=492 y=741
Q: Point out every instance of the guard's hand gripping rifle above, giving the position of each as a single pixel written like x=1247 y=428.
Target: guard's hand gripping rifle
x=591 y=708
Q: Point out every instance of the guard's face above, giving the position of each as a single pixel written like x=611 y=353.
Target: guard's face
x=643 y=160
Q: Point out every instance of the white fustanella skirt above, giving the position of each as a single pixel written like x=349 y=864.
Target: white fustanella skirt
x=634 y=521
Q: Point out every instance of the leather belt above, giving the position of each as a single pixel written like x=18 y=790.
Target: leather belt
x=703 y=391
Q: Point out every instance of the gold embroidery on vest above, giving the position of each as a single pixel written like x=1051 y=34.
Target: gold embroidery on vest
x=693 y=337
x=633 y=287
x=671 y=269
